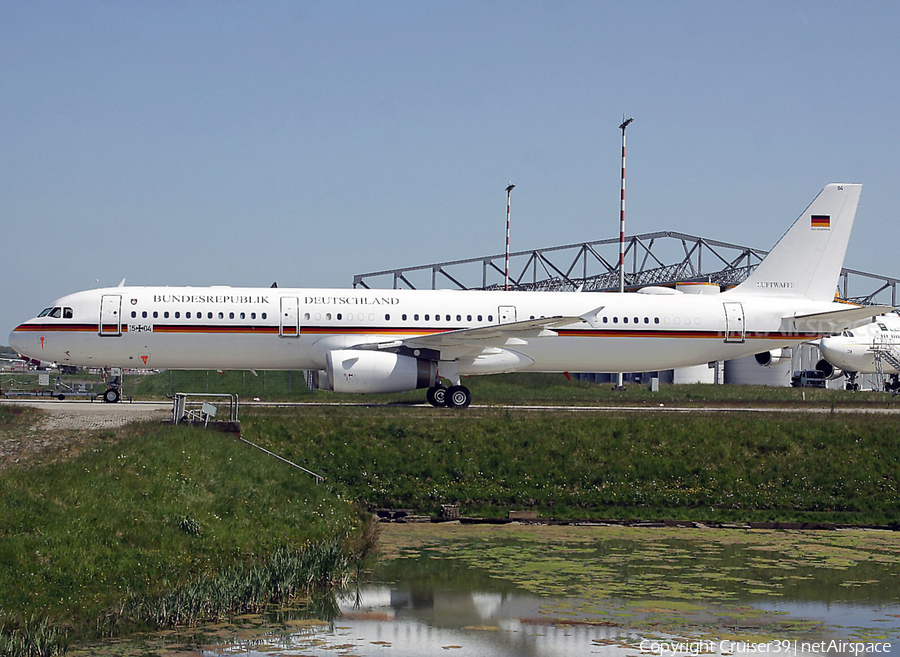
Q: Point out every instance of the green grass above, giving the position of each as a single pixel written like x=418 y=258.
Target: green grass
x=265 y=384
x=15 y=418
x=145 y=512
x=501 y=389
x=699 y=466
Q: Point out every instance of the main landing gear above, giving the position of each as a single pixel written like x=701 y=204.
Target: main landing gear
x=452 y=397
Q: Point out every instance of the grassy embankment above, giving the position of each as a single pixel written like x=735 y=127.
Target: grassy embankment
x=787 y=467
x=155 y=526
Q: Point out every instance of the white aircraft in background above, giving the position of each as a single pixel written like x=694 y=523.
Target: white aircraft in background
x=855 y=351
x=377 y=341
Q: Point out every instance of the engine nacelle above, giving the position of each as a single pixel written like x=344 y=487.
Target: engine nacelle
x=829 y=370
x=350 y=370
x=773 y=358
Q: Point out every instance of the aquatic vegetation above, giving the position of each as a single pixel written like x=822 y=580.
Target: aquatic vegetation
x=284 y=576
x=667 y=579
x=33 y=637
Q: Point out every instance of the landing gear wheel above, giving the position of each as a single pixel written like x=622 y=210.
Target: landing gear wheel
x=111 y=396
x=458 y=397
x=437 y=396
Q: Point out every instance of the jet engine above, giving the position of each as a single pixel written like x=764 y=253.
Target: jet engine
x=363 y=371
x=773 y=358
x=829 y=370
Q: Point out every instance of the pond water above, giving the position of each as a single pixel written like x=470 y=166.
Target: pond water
x=493 y=591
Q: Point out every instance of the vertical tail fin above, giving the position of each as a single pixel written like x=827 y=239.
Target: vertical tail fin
x=806 y=262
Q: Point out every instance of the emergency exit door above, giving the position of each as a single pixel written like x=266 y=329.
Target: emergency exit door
x=290 y=318
x=734 y=321
x=506 y=314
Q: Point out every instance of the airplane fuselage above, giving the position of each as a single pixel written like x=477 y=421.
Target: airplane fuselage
x=855 y=350
x=370 y=341
x=284 y=328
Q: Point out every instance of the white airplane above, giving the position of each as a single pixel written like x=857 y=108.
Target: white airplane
x=378 y=341
x=863 y=350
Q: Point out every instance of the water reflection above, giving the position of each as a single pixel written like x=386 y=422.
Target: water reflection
x=417 y=621
x=542 y=591
x=617 y=591
x=429 y=622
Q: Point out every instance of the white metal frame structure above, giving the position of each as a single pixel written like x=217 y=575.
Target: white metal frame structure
x=659 y=258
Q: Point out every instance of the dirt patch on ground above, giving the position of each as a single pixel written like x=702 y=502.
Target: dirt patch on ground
x=57 y=428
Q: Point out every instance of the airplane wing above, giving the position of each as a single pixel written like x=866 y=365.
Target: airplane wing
x=484 y=337
x=837 y=320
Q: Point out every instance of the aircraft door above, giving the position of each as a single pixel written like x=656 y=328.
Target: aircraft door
x=506 y=314
x=734 y=321
x=290 y=318
x=111 y=315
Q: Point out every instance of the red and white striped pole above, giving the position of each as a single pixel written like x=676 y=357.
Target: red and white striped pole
x=620 y=383
x=622 y=211
x=506 y=268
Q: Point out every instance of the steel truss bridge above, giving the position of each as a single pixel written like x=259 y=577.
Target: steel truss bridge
x=662 y=258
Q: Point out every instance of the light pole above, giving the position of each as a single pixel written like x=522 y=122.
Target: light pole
x=506 y=267
x=622 y=211
x=619 y=378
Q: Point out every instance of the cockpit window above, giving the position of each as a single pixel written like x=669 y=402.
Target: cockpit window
x=57 y=311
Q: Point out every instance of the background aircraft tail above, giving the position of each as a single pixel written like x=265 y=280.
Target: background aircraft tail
x=807 y=260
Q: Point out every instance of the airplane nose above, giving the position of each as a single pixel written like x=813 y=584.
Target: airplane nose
x=17 y=341
x=831 y=351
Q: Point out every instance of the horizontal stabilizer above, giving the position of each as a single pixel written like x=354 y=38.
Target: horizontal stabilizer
x=835 y=321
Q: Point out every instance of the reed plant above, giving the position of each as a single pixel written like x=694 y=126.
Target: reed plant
x=32 y=637
x=283 y=576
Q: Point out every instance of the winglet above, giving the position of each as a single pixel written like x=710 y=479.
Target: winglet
x=592 y=317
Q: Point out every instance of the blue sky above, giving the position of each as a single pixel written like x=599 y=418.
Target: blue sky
x=240 y=143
